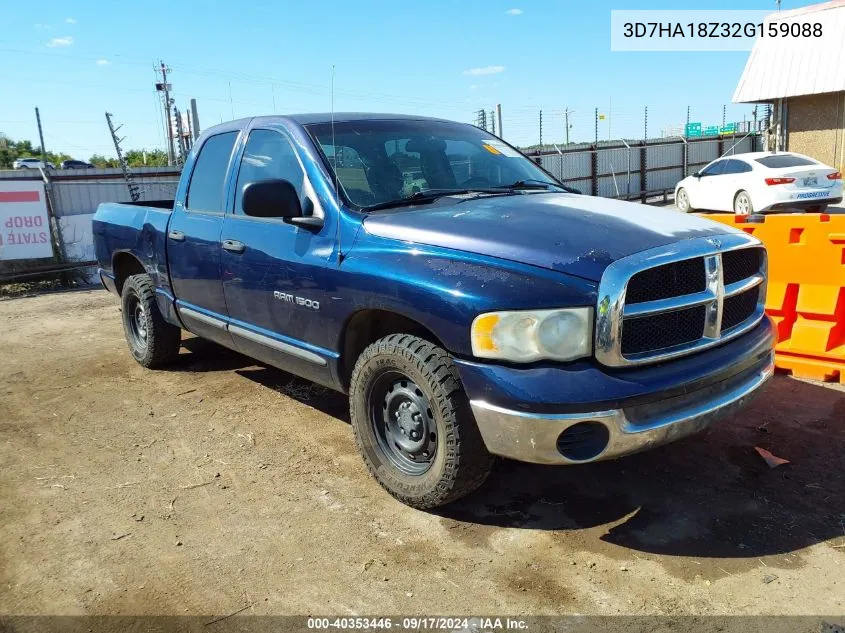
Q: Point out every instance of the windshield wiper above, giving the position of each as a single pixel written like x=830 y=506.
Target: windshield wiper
x=530 y=183
x=429 y=195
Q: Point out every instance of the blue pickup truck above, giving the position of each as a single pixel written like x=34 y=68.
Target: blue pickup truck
x=468 y=303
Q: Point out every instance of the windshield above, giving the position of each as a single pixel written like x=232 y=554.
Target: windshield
x=378 y=162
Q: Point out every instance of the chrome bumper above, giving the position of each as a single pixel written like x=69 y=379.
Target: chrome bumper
x=533 y=437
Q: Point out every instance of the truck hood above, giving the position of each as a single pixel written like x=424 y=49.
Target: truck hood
x=574 y=234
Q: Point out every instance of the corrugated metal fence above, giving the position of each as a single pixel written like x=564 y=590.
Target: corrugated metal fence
x=637 y=169
x=74 y=196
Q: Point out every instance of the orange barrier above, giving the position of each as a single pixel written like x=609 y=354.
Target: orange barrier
x=806 y=297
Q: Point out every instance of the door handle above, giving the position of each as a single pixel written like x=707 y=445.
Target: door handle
x=178 y=236
x=233 y=246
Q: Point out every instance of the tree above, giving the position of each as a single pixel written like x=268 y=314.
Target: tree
x=100 y=161
x=146 y=158
x=12 y=150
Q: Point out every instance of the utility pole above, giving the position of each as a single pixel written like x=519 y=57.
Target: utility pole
x=134 y=190
x=499 y=116
x=645 y=124
x=190 y=134
x=195 y=119
x=41 y=138
x=541 y=130
x=165 y=88
x=724 y=110
x=566 y=114
x=597 y=126
x=183 y=151
x=481 y=119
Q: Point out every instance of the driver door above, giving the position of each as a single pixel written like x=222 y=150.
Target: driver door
x=706 y=192
x=273 y=271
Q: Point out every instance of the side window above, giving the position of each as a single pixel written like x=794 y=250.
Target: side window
x=731 y=167
x=736 y=167
x=205 y=191
x=714 y=169
x=267 y=156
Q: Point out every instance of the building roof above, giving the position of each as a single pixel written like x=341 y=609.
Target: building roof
x=790 y=67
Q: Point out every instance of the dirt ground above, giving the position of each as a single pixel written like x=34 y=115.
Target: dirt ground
x=221 y=484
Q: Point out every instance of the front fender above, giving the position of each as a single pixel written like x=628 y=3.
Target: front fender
x=444 y=290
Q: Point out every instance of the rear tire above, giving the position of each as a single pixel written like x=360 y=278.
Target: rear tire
x=152 y=341
x=413 y=425
x=682 y=201
x=742 y=204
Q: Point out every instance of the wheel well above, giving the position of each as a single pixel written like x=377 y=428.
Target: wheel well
x=366 y=327
x=124 y=266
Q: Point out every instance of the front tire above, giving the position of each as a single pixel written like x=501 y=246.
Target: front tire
x=413 y=425
x=682 y=201
x=742 y=204
x=152 y=341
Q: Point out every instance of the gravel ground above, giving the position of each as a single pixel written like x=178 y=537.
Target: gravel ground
x=221 y=484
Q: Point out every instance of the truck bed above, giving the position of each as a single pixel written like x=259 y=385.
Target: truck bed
x=139 y=228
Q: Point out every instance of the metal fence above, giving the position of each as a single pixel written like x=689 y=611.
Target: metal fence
x=637 y=169
x=73 y=198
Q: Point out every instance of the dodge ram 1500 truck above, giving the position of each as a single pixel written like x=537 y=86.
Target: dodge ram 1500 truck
x=487 y=310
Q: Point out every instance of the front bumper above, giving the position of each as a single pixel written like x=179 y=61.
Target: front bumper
x=537 y=437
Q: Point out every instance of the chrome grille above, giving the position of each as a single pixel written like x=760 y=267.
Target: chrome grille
x=669 y=280
x=679 y=299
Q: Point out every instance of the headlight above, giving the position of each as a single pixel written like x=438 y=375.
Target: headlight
x=528 y=335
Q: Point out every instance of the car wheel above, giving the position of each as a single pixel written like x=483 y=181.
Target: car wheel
x=413 y=425
x=742 y=204
x=153 y=341
x=682 y=201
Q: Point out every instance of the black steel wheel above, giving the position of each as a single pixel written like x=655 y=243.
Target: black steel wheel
x=412 y=422
x=153 y=341
x=403 y=422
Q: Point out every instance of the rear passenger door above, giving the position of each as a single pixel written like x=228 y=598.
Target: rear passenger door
x=193 y=240
x=274 y=272
x=734 y=177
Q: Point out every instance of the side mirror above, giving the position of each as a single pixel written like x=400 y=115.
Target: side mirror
x=696 y=174
x=277 y=198
x=271 y=199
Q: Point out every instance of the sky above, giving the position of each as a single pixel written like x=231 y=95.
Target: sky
x=446 y=58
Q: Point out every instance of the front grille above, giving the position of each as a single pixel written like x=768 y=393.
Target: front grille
x=690 y=292
x=739 y=307
x=669 y=280
x=646 y=334
x=741 y=264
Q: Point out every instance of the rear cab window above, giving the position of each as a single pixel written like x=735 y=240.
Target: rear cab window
x=208 y=180
x=778 y=161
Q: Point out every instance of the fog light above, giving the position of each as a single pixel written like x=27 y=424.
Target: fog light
x=583 y=441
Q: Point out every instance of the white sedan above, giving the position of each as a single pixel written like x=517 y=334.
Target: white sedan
x=759 y=182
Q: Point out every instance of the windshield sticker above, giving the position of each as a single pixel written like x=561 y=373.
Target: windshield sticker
x=498 y=147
